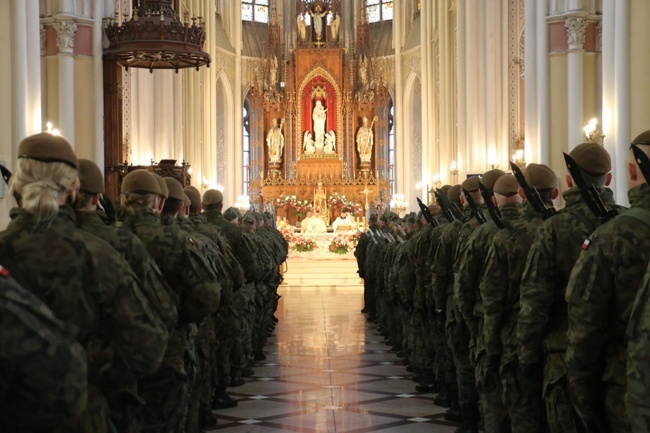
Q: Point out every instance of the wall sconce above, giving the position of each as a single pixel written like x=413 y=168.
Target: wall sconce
x=592 y=134
x=519 y=152
x=398 y=205
x=205 y=183
x=453 y=168
x=51 y=130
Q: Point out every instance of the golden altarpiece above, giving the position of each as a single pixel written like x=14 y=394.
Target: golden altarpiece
x=319 y=124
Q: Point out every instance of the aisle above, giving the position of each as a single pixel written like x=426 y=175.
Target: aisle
x=327 y=370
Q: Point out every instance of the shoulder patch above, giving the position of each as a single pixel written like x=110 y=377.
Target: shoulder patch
x=4 y=272
x=585 y=244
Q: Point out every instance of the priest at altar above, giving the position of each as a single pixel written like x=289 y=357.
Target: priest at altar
x=344 y=222
x=314 y=223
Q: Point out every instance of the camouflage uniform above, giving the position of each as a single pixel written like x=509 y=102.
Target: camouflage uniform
x=542 y=322
x=43 y=370
x=471 y=269
x=360 y=254
x=197 y=295
x=601 y=291
x=412 y=319
x=74 y=273
x=638 y=386
x=500 y=292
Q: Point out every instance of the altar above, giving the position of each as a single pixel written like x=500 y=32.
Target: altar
x=323 y=245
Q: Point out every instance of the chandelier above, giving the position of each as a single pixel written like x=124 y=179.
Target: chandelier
x=155 y=38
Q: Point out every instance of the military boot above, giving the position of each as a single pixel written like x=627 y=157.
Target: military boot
x=470 y=419
x=443 y=398
x=221 y=400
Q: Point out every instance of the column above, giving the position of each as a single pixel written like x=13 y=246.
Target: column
x=98 y=72
x=237 y=173
x=400 y=161
x=65 y=42
x=576 y=32
x=542 y=84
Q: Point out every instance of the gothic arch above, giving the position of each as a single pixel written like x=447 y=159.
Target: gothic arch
x=227 y=157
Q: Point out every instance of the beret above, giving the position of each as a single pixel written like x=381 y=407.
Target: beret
x=249 y=218
x=91 y=179
x=470 y=184
x=164 y=191
x=194 y=195
x=540 y=176
x=490 y=177
x=506 y=186
x=643 y=138
x=47 y=147
x=186 y=200
x=434 y=209
x=592 y=158
x=140 y=181
x=454 y=193
x=212 y=196
x=231 y=214
x=174 y=188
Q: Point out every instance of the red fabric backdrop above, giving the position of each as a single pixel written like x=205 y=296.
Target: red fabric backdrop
x=308 y=106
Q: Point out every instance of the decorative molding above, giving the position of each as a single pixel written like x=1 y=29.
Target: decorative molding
x=222 y=156
x=43 y=40
x=599 y=36
x=65 y=31
x=576 y=32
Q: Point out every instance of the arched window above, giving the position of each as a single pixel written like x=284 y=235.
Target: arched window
x=391 y=146
x=255 y=10
x=246 y=148
x=379 y=10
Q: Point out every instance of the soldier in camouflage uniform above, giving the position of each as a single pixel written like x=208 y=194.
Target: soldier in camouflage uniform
x=638 y=384
x=442 y=288
x=500 y=292
x=43 y=370
x=231 y=276
x=360 y=252
x=467 y=280
x=542 y=322
x=196 y=295
x=124 y=406
x=74 y=273
x=601 y=291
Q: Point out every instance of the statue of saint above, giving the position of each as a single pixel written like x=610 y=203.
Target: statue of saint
x=363 y=70
x=308 y=144
x=334 y=27
x=319 y=117
x=318 y=16
x=275 y=141
x=365 y=140
x=302 y=27
x=273 y=72
x=330 y=143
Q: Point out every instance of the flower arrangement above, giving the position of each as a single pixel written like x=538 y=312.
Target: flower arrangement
x=339 y=245
x=286 y=233
x=336 y=201
x=353 y=239
x=304 y=244
x=291 y=202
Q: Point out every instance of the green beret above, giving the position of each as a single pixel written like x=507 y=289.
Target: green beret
x=643 y=138
x=212 y=196
x=46 y=147
x=506 y=186
x=186 y=200
x=434 y=209
x=194 y=196
x=249 y=219
x=454 y=193
x=470 y=184
x=592 y=158
x=140 y=182
x=490 y=177
x=540 y=176
x=174 y=188
x=163 y=186
x=90 y=177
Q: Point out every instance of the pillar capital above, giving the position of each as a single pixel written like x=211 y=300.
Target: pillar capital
x=576 y=32
x=65 y=31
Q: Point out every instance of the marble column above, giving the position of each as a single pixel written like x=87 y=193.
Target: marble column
x=65 y=31
x=576 y=32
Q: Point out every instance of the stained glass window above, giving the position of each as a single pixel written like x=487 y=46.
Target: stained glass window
x=379 y=10
x=255 y=10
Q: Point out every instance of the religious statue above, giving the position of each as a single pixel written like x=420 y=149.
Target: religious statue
x=365 y=140
x=302 y=27
x=308 y=144
x=319 y=117
x=330 y=143
x=363 y=70
x=275 y=141
x=273 y=72
x=334 y=27
x=318 y=16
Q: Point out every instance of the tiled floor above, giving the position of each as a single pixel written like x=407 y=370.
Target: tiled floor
x=327 y=370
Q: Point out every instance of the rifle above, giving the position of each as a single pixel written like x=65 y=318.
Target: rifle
x=642 y=161
x=450 y=209
x=589 y=192
x=372 y=236
x=532 y=195
x=495 y=213
x=427 y=213
x=478 y=213
x=6 y=174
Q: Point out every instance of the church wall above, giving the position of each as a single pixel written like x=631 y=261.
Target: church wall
x=558 y=86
